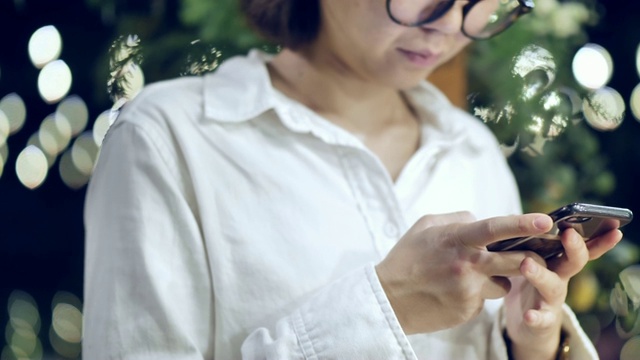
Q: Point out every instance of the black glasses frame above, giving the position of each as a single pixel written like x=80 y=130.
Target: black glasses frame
x=526 y=6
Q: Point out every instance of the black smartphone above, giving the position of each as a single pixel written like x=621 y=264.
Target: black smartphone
x=588 y=220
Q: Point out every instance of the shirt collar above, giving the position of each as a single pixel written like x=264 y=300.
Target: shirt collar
x=241 y=90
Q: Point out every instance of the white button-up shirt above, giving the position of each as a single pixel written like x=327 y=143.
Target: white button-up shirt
x=225 y=220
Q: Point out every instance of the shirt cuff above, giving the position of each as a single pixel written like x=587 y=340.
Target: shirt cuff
x=351 y=319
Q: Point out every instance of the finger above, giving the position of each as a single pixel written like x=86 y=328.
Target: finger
x=505 y=263
x=485 y=232
x=576 y=254
x=496 y=287
x=540 y=319
x=550 y=286
x=428 y=221
x=603 y=243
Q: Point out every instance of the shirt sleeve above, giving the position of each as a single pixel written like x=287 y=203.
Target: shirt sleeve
x=147 y=289
x=349 y=319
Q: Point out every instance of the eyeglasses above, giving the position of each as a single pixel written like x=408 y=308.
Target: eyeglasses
x=481 y=19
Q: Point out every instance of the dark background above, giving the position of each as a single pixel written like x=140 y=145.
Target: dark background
x=41 y=230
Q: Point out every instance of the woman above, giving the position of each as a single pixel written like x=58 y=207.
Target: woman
x=279 y=208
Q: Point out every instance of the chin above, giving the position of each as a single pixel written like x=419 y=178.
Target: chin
x=409 y=81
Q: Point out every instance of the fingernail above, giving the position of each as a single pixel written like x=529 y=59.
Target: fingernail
x=541 y=222
x=532 y=267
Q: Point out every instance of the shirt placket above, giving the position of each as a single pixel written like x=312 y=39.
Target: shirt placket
x=377 y=201
x=368 y=179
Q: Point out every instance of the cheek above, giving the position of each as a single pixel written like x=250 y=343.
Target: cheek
x=360 y=26
x=456 y=45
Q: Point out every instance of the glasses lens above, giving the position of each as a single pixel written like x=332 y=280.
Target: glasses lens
x=489 y=17
x=418 y=12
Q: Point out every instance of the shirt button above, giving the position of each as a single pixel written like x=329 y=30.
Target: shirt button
x=391 y=230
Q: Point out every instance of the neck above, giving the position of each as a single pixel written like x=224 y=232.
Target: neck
x=334 y=91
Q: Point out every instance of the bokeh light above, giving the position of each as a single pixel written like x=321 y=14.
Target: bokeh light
x=45 y=46
x=604 y=109
x=84 y=153
x=537 y=68
x=75 y=111
x=55 y=134
x=21 y=333
x=575 y=101
x=4 y=155
x=4 y=128
x=630 y=279
x=592 y=66
x=101 y=126
x=15 y=110
x=537 y=122
x=23 y=311
x=67 y=322
x=631 y=349
x=35 y=141
x=65 y=334
x=635 y=102
x=638 y=59
x=32 y=167
x=54 y=81
x=69 y=173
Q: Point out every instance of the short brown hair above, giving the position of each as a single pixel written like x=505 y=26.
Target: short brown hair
x=289 y=23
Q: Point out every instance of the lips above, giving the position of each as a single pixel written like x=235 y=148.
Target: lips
x=420 y=58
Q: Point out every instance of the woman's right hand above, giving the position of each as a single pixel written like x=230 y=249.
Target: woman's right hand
x=440 y=272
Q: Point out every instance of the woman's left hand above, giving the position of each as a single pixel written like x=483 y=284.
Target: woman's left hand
x=534 y=304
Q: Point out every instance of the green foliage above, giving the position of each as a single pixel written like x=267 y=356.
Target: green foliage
x=172 y=42
x=571 y=168
x=219 y=22
x=527 y=70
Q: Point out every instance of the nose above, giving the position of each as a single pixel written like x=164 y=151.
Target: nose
x=450 y=22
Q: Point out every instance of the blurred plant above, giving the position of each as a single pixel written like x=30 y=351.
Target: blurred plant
x=124 y=59
x=219 y=22
x=536 y=109
x=172 y=30
x=201 y=58
x=625 y=302
x=536 y=100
